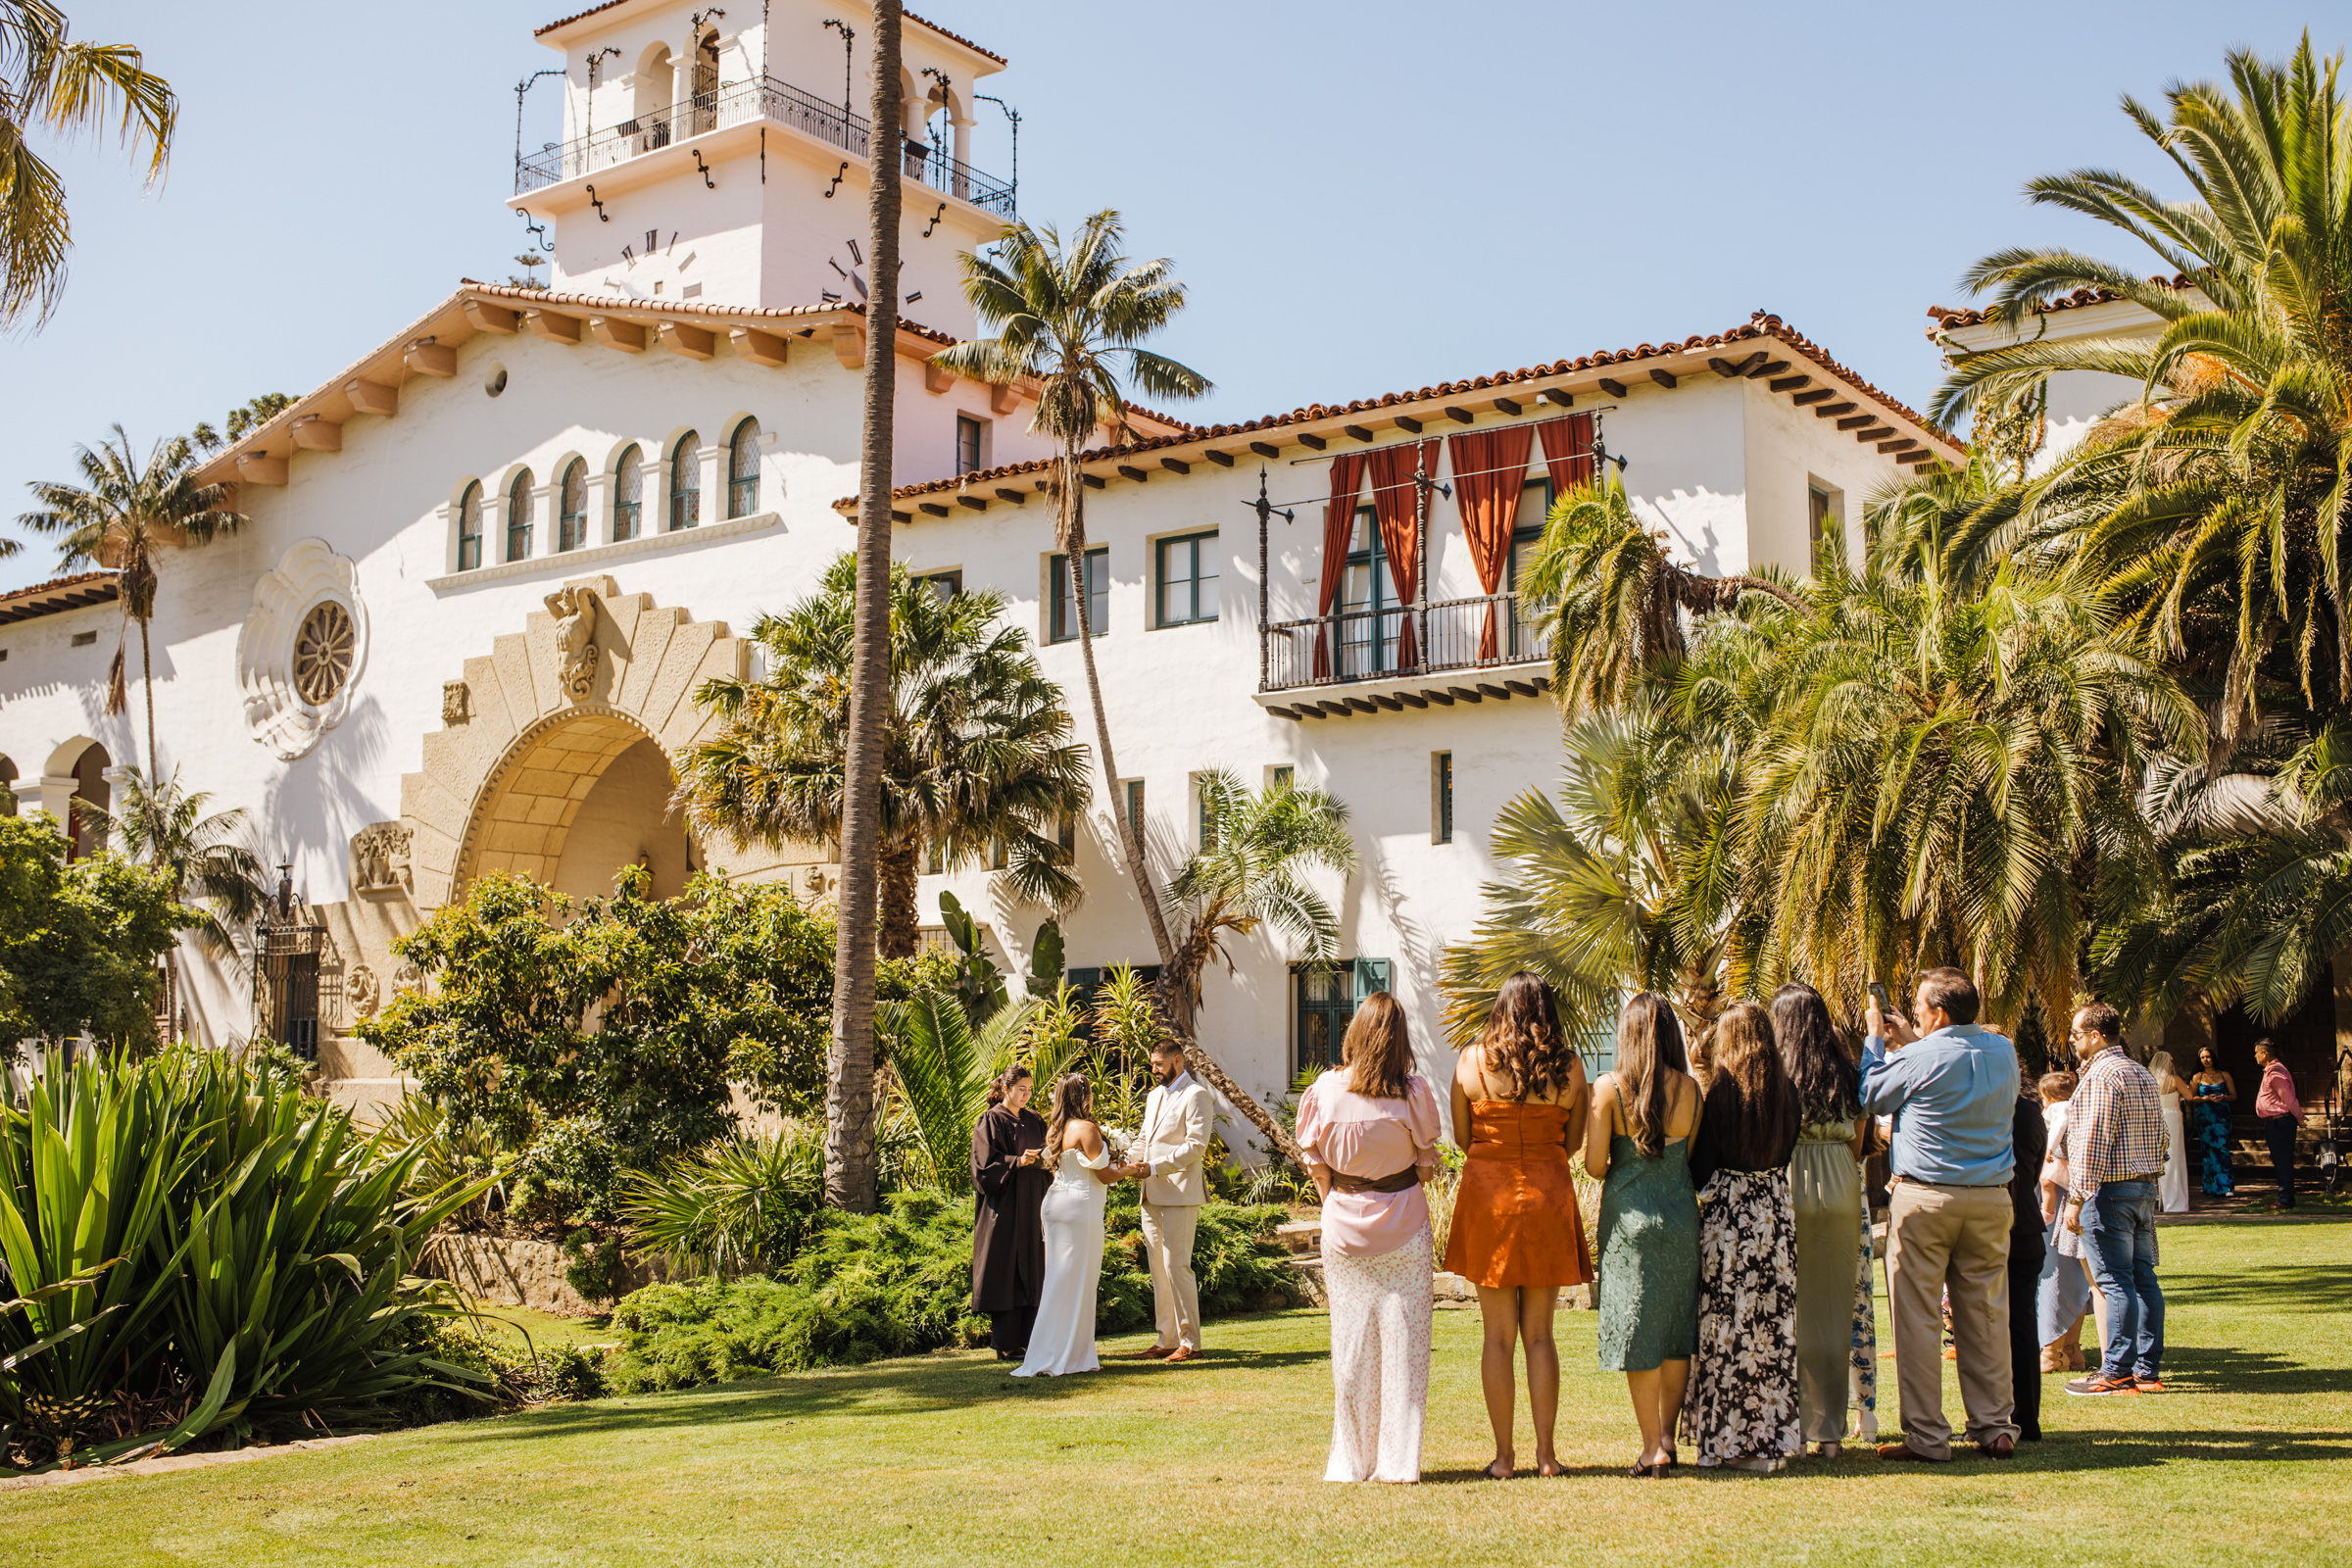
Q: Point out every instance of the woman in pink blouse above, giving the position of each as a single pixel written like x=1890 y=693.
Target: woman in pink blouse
x=1369 y=1131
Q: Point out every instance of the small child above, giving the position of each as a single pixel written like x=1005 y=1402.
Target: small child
x=2063 y=1280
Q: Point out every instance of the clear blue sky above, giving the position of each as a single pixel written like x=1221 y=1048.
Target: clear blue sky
x=1364 y=197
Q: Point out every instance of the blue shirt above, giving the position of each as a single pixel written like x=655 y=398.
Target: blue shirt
x=1952 y=1094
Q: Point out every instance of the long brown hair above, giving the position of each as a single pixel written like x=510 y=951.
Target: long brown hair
x=1650 y=1050
x=1003 y=1084
x=1828 y=1086
x=1073 y=1100
x=1377 y=1048
x=1522 y=1043
x=1752 y=1114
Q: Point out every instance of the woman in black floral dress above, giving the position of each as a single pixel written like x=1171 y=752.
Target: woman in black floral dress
x=1742 y=1408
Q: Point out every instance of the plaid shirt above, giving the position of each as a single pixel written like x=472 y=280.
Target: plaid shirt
x=2113 y=1125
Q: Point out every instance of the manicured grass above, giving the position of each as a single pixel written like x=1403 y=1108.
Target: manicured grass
x=520 y=1327
x=944 y=1459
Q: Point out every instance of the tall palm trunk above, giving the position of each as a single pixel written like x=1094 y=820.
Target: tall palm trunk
x=1172 y=995
x=147 y=681
x=899 y=925
x=852 y=1172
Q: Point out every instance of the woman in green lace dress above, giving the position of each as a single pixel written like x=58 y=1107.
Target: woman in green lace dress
x=1636 y=1143
x=1825 y=1181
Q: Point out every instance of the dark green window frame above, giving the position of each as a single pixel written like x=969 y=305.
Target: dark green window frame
x=469 y=528
x=1324 y=998
x=1185 y=581
x=1061 y=626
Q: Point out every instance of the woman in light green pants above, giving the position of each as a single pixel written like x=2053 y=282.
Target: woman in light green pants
x=1825 y=1183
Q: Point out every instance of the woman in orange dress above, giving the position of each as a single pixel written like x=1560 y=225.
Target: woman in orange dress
x=1519 y=1103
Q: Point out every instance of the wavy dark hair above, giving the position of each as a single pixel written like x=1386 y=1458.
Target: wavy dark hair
x=1829 y=1084
x=1650 y=1049
x=1073 y=1100
x=1523 y=1042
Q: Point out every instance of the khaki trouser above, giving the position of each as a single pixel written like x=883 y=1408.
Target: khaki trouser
x=1175 y=1294
x=1952 y=1238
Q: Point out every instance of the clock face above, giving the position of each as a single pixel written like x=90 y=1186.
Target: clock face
x=844 y=277
x=656 y=266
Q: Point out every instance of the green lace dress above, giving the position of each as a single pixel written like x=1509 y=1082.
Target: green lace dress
x=1648 y=1263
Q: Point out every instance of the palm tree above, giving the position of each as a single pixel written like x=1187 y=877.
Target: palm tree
x=48 y=82
x=1070 y=319
x=853 y=1170
x=1250 y=871
x=2215 y=505
x=201 y=855
x=120 y=517
x=1615 y=882
x=1611 y=602
x=976 y=757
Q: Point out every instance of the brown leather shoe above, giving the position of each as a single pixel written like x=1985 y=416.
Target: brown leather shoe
x=1904 y=1451
x=1152 y=1354
x=2003 y=1447
x=1183 y=1353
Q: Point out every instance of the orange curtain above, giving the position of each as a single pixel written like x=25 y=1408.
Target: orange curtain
x=1568 y=452
x=1489 y=470
x=1396 y=503
x=1338 y=527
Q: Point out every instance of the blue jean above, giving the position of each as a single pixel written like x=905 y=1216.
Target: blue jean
x=2119 y=1243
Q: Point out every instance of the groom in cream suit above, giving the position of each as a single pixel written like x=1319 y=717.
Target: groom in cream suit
x=1169 y=1154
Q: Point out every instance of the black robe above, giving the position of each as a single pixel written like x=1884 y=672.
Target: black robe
x=1008 y=1228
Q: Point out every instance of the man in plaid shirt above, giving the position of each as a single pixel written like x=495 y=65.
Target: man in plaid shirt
x=2115 y=1144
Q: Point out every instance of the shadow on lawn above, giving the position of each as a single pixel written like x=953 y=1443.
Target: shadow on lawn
x=905 y=1386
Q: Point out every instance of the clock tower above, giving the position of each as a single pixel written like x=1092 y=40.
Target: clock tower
x=726 y=159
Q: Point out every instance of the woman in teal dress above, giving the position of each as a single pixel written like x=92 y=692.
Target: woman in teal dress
x=1636 y=1143
x=2217 y=1093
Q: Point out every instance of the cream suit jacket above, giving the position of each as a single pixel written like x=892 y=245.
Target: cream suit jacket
x=1178 y=1121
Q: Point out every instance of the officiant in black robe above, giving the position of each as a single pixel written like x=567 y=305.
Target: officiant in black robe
x=1008 y=1232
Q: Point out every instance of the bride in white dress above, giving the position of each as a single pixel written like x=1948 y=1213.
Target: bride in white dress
x=1063 y=1339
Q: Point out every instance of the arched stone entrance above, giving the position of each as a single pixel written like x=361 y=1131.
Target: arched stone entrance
x=554 y=747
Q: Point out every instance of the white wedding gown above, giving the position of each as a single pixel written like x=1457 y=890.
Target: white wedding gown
x=2171 y=1190
x=1064 y=1339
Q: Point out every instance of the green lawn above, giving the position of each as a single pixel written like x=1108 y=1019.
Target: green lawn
x=944 y=1460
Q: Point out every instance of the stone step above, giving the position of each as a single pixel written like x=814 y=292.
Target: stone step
x=1301 y=1235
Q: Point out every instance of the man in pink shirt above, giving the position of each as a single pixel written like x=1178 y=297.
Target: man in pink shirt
x=2281 y=1116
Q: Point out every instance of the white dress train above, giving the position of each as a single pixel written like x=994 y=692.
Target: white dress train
x=2172 y=1189
x=1064 y=1339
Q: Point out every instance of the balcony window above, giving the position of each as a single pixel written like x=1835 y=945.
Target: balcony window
x=628 y=493
x=1187 y=578
x=1062 y=626
x=518 y=517
x=469 y=528
x=1372 y=616
x=1520 y=640
x=572 y=515
x=743 y=470
x=946 y=584
x=685 y=482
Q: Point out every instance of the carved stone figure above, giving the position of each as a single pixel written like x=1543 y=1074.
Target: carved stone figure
x=408 y=980
x=574 y=610
x=366 y=992
x=456 y=702
x=380 y=860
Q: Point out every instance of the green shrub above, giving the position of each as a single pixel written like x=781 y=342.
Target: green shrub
x=735 y=1205
x=898 y=1283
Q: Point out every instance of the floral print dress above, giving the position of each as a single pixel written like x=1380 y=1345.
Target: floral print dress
x=1743 y=1402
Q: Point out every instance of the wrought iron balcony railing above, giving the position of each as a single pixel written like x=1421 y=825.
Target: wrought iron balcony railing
x=1370 y=643
x=739 y=104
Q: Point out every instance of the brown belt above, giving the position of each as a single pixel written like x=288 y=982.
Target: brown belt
x=1395 y=1182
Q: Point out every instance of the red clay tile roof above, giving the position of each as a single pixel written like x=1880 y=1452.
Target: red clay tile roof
x=581 y=15
x=1762 y=325
x=76 y=592
x=1945 y=318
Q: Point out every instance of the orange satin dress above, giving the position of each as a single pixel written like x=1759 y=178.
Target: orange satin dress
x=1515 y=1219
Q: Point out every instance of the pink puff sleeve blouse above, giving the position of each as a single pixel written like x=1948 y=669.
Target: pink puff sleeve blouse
x=1360 y=1136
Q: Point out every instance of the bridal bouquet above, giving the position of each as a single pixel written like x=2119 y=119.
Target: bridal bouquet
x=1119 y=1140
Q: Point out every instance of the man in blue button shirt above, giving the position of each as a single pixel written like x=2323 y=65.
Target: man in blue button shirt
x=1951 y=1088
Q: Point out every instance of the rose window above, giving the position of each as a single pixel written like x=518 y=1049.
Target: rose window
x=322 y=652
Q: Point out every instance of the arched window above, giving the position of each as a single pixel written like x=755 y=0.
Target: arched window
x=571 y=516
x=628 y=493
x=743 y=470
x=685 y=482
x=469 y=528
x=518 y=517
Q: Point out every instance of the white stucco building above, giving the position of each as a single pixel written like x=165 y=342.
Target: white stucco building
x=485 y=564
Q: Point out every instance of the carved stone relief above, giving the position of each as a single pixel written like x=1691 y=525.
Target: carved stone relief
x=364 y=990
x=575 y=609
x=380 y=860
x=456 y=702
x=408 y=980
x=303 y=647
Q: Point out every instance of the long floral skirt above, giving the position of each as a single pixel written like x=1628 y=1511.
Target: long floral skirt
x=1743 y=1401
x=1380 y=1310
x=1864 y=1385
